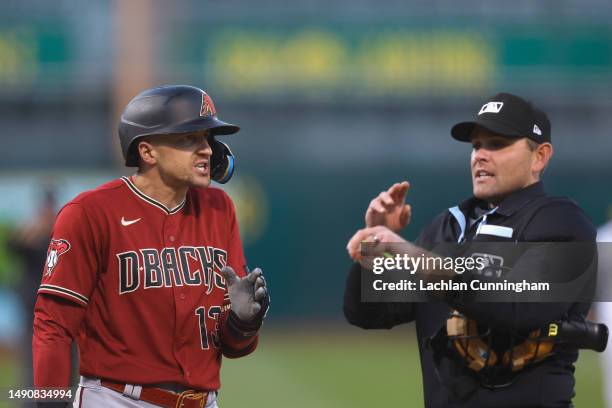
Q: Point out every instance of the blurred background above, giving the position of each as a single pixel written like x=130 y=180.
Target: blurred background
x=336 y=100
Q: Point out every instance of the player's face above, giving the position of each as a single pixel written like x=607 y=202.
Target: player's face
x=500 y=165
x=184 y=160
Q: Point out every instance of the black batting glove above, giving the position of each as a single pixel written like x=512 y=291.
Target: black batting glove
x=249 y=299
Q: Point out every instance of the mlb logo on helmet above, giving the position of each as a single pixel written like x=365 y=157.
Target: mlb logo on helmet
x=208 y=107
x=57 y=247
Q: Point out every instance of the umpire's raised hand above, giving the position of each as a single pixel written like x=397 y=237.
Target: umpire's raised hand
x=389 y=208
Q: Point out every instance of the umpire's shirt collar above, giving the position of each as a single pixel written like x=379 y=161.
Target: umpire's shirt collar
x=510 y=204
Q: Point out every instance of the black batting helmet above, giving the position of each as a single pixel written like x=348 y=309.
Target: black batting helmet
x=175 y=109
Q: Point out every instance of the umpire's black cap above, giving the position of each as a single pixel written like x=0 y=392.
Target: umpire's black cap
x=510 y=116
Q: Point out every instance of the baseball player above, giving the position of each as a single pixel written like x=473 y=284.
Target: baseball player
x=147 y=273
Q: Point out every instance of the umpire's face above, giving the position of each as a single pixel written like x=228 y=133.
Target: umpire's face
x=501 y=165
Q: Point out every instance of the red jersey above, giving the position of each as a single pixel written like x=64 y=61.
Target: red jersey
x=150 y=279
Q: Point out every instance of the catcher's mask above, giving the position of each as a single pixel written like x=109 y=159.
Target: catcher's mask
x=474 y=346
x=176 y=109
x=465 y=355
x=463 y=341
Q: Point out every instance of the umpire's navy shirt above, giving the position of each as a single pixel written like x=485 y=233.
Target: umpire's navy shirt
x=534 y=217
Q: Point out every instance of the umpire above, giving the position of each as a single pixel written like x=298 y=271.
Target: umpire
x=511 y=147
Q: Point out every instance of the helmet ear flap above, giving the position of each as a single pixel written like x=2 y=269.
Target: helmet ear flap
x=221 y=162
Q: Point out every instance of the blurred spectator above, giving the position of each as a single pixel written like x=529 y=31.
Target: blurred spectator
x=30 y=242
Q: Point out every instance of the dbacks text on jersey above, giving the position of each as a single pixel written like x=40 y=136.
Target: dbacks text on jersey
x=187 y=265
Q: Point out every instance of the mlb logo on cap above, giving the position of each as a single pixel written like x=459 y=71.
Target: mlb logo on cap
x=491 y=107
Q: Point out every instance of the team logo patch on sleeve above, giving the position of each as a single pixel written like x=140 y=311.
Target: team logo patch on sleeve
x=57 y=248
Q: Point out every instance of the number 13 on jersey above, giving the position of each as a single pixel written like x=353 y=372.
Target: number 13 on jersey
x=205 y=336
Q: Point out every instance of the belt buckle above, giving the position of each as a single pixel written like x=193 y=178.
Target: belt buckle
x=191 y=395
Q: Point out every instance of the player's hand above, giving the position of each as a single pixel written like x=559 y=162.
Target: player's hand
x=378 y=236
x=389 y=208
x=248 y=295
